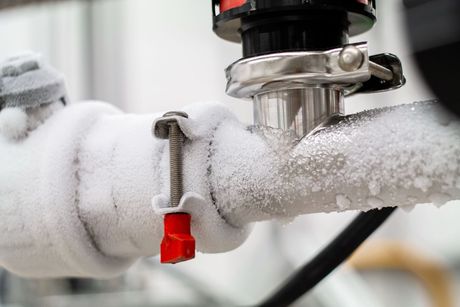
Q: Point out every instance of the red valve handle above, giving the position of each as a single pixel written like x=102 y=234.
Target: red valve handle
x=178 y=244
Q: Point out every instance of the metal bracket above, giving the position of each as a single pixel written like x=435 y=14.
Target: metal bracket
x=250 y=76
x=162 y=124
x=348 y=68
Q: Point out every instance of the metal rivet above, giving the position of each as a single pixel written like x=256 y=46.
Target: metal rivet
x=351 y=58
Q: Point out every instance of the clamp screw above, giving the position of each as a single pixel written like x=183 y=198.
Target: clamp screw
x=178 y=244
x=176 y=138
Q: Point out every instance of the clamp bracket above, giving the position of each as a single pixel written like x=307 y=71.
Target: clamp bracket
x=178 y=244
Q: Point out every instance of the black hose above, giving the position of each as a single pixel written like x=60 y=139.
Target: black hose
x=3 y=286
x=308 y=276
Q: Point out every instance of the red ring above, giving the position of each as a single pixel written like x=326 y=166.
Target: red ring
x=226 y=5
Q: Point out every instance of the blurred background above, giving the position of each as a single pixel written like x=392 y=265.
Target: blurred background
x=150 y=56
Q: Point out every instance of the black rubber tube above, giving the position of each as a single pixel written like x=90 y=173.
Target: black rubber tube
x=309 y=275
x=3 y=286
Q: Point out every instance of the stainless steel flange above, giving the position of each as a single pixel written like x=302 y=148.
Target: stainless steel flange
x=299 y=91
x=251 y=76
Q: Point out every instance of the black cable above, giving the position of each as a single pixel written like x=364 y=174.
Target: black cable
x=329 y=258
x=3 y=286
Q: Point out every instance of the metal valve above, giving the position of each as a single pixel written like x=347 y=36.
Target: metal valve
x=178 y=244
x=298 y=64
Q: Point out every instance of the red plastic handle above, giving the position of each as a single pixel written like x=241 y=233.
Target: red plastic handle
x=178 y=244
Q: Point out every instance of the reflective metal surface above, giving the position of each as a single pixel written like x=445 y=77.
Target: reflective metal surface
x=380 y=71
x=299 y=91
x=250 y=76
x=298 y=110
x=351 y=58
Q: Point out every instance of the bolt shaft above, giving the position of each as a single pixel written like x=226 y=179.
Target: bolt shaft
x=176 y=139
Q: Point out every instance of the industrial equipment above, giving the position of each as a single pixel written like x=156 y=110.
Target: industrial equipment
x=298 y=64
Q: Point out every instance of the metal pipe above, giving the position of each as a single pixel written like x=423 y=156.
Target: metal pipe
x=95 y=171
x=396 y=156
x=297 y=111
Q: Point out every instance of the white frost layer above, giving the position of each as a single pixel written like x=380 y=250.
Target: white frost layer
x=399 y=156
x=75 y=193
x=41 y=233
x=13 y=123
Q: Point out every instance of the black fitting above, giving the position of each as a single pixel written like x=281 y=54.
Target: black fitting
x=293 y=31
x=270 y=26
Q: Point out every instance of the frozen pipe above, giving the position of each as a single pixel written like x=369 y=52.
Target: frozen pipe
x=76 y=192
x=397 y=156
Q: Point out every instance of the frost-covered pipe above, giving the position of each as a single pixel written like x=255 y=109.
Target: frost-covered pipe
x=76 y=192
x=398 y=156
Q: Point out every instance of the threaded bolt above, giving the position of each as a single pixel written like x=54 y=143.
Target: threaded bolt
x=176 y=139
